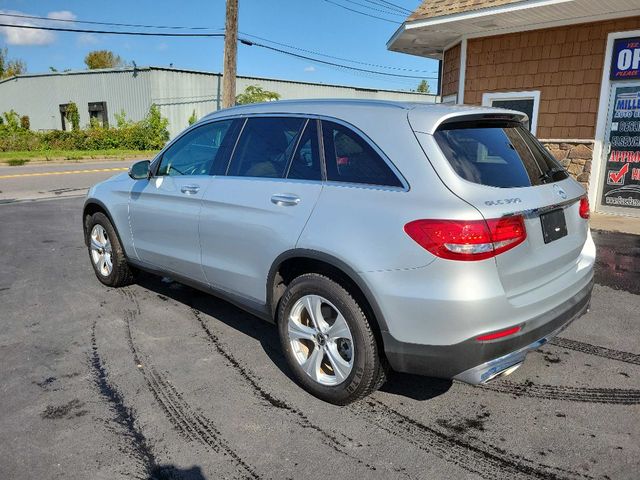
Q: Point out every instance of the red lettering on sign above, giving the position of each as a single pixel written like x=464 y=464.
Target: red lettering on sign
x=625 y=156
x=635 y=174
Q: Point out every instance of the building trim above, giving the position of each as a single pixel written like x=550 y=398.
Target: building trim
x=601 y=121
x=463 y=69
x=488 y=97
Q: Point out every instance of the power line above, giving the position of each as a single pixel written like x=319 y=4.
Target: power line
x=89 y=22
x=112 y=32
x=386 y=11
x=325 y=62
x=315 y=52
x=242 y=40
x=391 y=5
x=362 y=13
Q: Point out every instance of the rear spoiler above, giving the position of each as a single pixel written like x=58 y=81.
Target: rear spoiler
x=471 y=114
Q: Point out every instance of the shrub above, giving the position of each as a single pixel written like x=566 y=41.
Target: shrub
x=193 y=118
x=148 y=134
x=73 y=116
x=25 y=123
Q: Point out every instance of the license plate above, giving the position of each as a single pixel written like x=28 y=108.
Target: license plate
x=554 y=225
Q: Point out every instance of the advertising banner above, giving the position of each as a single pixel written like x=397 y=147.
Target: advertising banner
x=621 y=186
x=625 y=62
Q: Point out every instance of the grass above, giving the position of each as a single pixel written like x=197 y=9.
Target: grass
x=20 y=158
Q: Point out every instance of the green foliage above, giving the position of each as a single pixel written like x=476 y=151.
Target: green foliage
x=423 y=87
x=102 y=59
x=11 y=121
x=256 y=94
x=151 y=133
x=10 y=68
x=73 y=116
x=25 y=122
x=16 y=162
x=121 y=119
x=193 y=118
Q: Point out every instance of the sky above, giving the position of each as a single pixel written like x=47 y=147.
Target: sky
x=315 y=25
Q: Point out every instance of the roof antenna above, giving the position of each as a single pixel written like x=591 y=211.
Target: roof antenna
x=135 y=68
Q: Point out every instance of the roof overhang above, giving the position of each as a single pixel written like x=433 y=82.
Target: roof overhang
x=429 y=37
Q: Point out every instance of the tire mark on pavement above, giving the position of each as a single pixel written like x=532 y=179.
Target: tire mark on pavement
x=616 y=396
x=583 y=347
x=485 y=460
x=190 y=424
x=328 y=438
x=124 y=416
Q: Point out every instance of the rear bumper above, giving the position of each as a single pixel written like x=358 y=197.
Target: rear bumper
x=476 y=362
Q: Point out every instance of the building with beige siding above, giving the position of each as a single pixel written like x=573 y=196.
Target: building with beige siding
x=572 y=65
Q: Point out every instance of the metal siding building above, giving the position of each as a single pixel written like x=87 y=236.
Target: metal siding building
x=133 y=90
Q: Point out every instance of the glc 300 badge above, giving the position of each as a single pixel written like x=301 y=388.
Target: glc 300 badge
x=504 y=201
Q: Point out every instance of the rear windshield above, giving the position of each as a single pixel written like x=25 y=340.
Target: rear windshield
x=498 y=154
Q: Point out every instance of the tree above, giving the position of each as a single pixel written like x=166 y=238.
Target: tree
x=102 y=59
x=10 y=68
x=423 y=87
x=256 y=94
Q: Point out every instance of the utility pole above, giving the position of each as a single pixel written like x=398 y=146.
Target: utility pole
x=230 y=55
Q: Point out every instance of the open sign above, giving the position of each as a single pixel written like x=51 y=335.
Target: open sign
x=625 y=61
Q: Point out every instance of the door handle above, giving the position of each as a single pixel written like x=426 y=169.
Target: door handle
x=285 y=199
x=190 y=189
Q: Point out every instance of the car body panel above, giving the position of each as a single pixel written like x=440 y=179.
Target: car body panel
x=242 y=230
x=164 y=222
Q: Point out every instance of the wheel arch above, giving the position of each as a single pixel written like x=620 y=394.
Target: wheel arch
x=295 y=262
x=91 y=206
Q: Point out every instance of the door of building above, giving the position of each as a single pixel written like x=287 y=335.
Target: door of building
x=619 y=188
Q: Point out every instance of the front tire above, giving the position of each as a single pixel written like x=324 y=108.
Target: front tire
x=328 y=341
x=106 y=253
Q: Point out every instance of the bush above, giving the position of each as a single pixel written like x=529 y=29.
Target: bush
x=25 y=123
x=148 y=134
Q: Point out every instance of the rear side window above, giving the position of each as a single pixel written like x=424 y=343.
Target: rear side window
x=305 y=164
x=349 y=158
x=497 y=154
x=265 y=147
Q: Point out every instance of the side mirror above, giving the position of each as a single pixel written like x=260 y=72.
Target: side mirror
x=140 y=170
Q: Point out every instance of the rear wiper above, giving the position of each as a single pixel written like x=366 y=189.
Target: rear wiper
x=548 y=175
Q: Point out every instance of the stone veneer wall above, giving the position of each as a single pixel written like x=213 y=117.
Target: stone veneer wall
x=576 y=157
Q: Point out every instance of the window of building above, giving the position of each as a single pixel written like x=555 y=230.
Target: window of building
x=265 y=147
x=98 y=114
x=196 y=151
x=351 y=159
x=525 y=102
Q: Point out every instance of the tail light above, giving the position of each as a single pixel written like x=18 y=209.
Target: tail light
x=468 y=240
x=584 y=208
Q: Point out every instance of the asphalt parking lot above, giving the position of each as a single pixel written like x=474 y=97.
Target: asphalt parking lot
x=157 y=380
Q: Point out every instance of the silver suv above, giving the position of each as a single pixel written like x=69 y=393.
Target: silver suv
x=430 y=239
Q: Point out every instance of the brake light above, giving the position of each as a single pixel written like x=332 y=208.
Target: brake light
x=499 y=334
x=470 y=239
x=584 y=208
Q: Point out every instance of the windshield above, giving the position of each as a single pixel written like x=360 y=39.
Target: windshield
x=498 y=154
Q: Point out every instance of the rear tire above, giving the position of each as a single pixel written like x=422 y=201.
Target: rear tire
x=333 y=353
x=106 y=253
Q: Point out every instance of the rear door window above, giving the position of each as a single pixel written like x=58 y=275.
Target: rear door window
x=265 y=147
x=305 y=164
x=497 y=154
x=349 y=158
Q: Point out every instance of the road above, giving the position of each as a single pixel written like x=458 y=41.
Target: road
x=47 y=180
x=157 y=380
